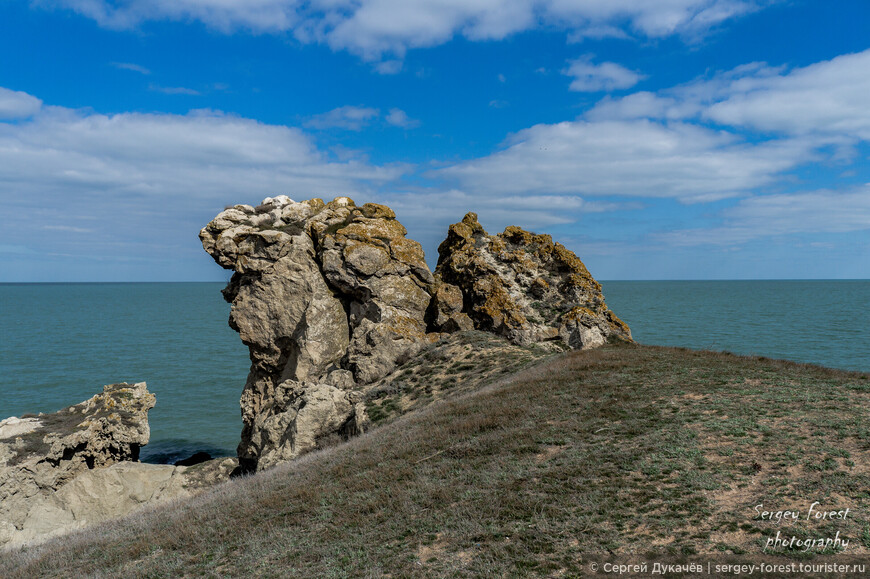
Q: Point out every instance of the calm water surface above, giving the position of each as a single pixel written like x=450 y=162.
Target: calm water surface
x=819 y=321
x=60 y=343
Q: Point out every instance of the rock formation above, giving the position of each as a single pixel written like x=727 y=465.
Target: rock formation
x=331 y=297
x=326 y=296
x=51 y=466
x=521 y=286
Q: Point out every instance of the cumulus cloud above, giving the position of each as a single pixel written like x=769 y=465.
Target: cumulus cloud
x=724 y=136
x=607 y=76
x=373 y=28
x=399 y=118
x=428 y=213
x=636 y=158
x=356 y=118
x=17 y=105
x=348 y=117
x=65 y=152
x=223 y=15
x=827 y=98
x=95 y=184
x=439 y=208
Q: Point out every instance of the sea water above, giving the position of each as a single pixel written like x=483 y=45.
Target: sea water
x=816 y=321
x=60 y=343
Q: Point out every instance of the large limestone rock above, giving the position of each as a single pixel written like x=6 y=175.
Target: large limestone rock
x=521 y=286
x=327 y=297
x=71 y=468
x=331 y=297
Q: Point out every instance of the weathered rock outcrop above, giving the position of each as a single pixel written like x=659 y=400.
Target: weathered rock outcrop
x=521 y=286
x=65 y=470
x=327 y=296
x=331 y=297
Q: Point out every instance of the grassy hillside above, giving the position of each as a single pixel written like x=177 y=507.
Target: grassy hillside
x=627 y=451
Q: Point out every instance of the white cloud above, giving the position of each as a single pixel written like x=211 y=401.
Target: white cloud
x=356 y=118
x=434 y=210
x=428 y=213
x=636 y=158
x=641 y=105
x=68 y=228
x=347 y=117
x=782 y=214
x=174 y=90
x=399 y=118
x=607 y=76
x=373 y=28
x=17 y=105
x=66 y=171
x=829 y=97
x=131 y=66
x=825 y=99
x=596 y=32
x=389 y=66
x=223 y=15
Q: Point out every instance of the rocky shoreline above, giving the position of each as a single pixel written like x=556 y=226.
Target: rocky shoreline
x=343 y=320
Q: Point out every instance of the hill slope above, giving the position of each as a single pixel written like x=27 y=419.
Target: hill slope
x=626 y=450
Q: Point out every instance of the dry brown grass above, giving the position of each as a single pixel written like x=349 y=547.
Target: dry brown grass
x=627 y=451
x=455 y=365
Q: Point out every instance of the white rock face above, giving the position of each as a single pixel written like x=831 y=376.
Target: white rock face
x=95 y=496
x=14 y=426
x=278 y=201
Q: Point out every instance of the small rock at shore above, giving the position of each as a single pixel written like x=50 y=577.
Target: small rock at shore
x=74 y=467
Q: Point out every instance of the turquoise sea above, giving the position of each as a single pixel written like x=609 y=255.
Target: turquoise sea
x=60 y=343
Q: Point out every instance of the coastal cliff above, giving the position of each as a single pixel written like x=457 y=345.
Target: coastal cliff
x=332 y=297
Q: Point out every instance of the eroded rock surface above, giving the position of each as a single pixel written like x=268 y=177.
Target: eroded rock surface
x=521 y=286
x=327 y=297
x=74 y=467
x=331 y=297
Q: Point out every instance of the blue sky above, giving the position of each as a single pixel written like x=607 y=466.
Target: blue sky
x=665 y=139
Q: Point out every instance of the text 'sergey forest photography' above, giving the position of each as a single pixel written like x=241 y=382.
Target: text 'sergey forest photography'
x=434 y=288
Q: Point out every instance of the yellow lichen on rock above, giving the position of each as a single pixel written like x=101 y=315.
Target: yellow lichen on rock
x=377 y=211
x=331 y=296
x=519 y=283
